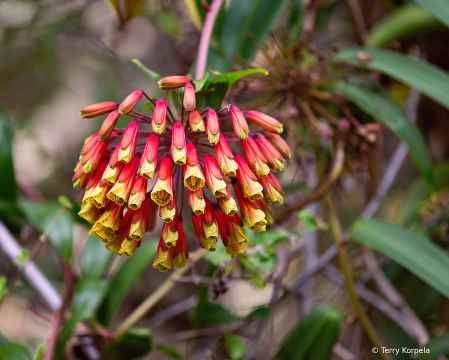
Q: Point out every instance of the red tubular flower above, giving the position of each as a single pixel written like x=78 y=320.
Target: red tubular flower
x=196 y=122
x=208 y=244
x=159 y=121
x=98 y=109
x=266 y=209
x=168 y=212
x=225 y=158
x=140 y=221
x=214 y=178
x=180 y=251
x=129 y=141
x=163 y=259
x=148 y=163
x=272 y=190
x=122 y=188
x=213 y=127
x=247 y=180
x=90 y=212
x=193 y=176
x=162 y=191
x=114 y=167
x=208 y=221
x=108 y=126
x=250 y=211
x=94 y=157
x=111 y=217
x=97 y=188
x=131 y=100
x=178 y=144
x=241 y=128
x=274 y=158
x=280 y=144
x=152 y=216
x=227 y=204
x=138 y=193
x=224 y=227
x=195 y=200
x=238 y=234
x=80 y=178
x=170 y=231
x=255 y=157
x=189 y=101
x=266 y=122
x=173 y=82
x=122 y=244
x=88 y=143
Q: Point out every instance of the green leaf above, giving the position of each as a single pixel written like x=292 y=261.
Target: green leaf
x=235 y=346
x=134 y=343
x=411 y=250
x=3 y=287
x=94 y=258
x=308 y=220
x=437 y=346
x=41 y=215
x=169 y=351
x=439 y=8
x=423 y=76
x=268 y=237
x=218 y=256
x=237 y=75
x=407 y=21
x=262 y=313
x=206 y=313
x=313 y=337
x=146 y=71
x=216 y=92
x=14 y=351
x=89 y=294
x=295 y=20
x=200 y=83
x=421 y=191
x=376 y=102
x=124 y=279
x=8 y=189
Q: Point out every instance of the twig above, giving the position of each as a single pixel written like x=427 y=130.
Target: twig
x=30 y=270
x=359 y=22
x=172 y=311
x=188 y=334
x=203 y=48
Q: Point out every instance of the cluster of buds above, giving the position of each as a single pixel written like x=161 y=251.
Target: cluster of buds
x=115 y=170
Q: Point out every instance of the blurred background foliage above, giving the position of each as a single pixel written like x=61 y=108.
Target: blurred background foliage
x=351 y=62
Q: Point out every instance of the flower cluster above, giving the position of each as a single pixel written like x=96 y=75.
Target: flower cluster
x=115 y=176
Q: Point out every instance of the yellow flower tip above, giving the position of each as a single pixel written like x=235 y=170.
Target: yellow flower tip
x=147 y=170
x=136 y=231
x=162 y=262
x=209 y=244
x=213 y=139
x=110 y=175
x=89 y=212
x=125 y=155
x=171 y=238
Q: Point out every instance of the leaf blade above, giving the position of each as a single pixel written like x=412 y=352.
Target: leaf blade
x=439 y=8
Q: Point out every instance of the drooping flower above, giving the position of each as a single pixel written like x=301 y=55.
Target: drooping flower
x=119 y=193
x=274 y=158
x=148 y=163
x=196 y=122
x=214 y=178
x=162 y=192
x=213 y=127
x=178 y=144
x=225 y=158
x=193 y=176
x=130 y=101
x=241 y=128
x=159 y=121
x=256 y=159
x=128 y=143
x=108 y=126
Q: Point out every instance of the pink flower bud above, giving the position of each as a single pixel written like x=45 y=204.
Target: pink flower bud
x=178 y=144
x=196 y=121
x=213 y=127
x=265 y=122
x=255 y=157
x=148 y=163
x=131 y=100
x=159 y=121
x=98 y=109
x=280 y=144
x=241 y=128
x=129 y=141
x=108 y=126
x=189 y=100
x=173 y=82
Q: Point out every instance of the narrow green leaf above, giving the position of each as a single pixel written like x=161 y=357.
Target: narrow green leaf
x=206 y=313
x=411 y=250
x=439 y=8
x=14 y=351
x=134 y=343
x=376 y=102
x=235 y=346
x=421 y=191
x=123 y=280
x=437 y=346
x=41 y=214
x=262 y=313
x=200 y=83
x=94 y=258
x=169 y=351
x=423 y=76
x=295 y=20
x=89 y=294
x=146 y=71
x=407 y=21
x=237 y=75
x=216 y=92
x=313 y=337
x=8 y=190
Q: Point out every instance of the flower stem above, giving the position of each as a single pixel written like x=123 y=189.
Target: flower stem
x=203 y=48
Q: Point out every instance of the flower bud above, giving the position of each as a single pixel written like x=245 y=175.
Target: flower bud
x=214 y=178
x=140 y=221
x=238 y=234
x=131 y=100
x=256 y=160
x=94 y=157
x=265 y=122
x=247 y=180
x=162 y=262
x=114 y=167
x=189 y=101
x=180 y=251
x=250 y=210
x=241 y=128
x=97 y=188
x=88 y=143
x=148 y=163
x=208 y=244
x=227 y=204
x=178 y=144
x=98 y=109
x=274 y=158
x=159 y=121
x=80 y=178
x=123 y=244
x=196 y=121
x=225 y=158
x=128 y=143
x=208 y=221
x=108 y=126
x=138 y=193
x=162 y=191
x=193 y=176
x=106 y=235
x=280 y=144
x=173 y=82
x=170 y=231
x=272 y=190
x=195 y=200
x=213 y=127
x=122 y=188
